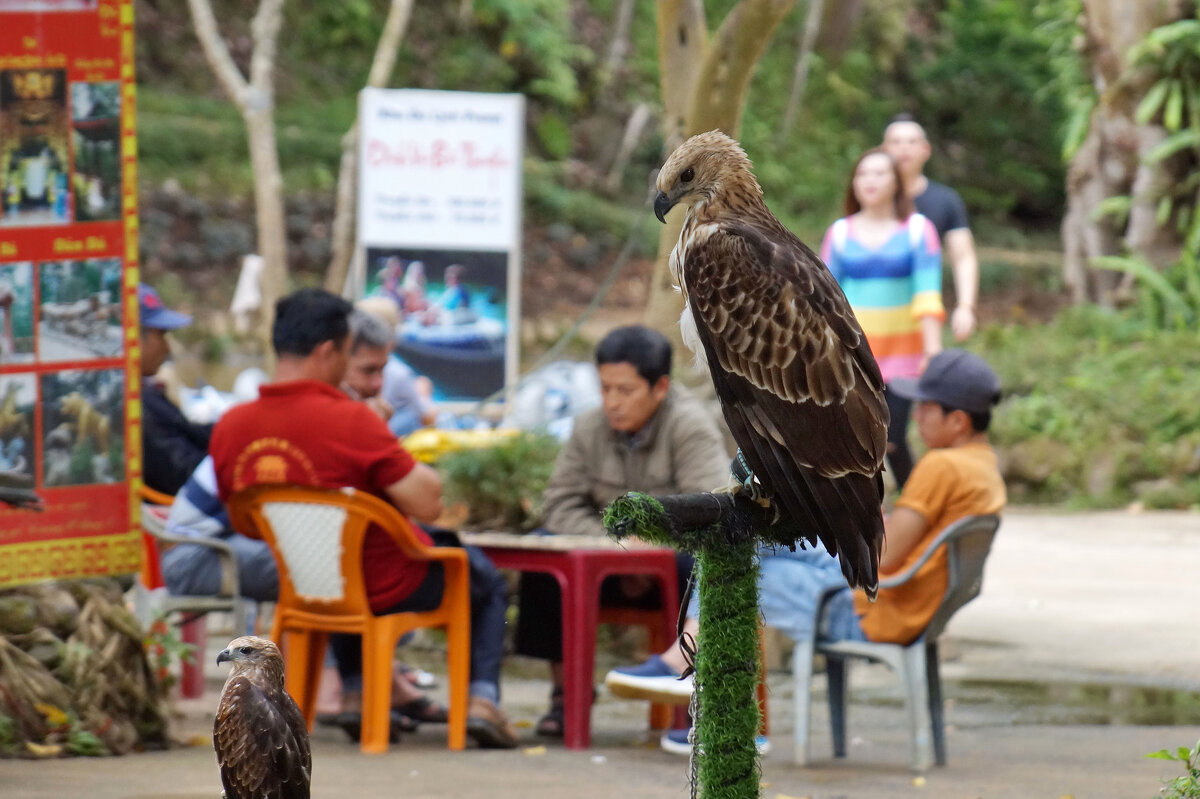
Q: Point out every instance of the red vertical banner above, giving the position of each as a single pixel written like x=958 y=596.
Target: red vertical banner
x=70 y=411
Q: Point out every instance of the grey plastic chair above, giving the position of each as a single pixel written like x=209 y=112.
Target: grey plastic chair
x=148 y=603
x=967 y=543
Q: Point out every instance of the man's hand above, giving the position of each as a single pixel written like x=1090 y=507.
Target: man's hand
x=962 y=322
x=382 y=409
x=960 y=249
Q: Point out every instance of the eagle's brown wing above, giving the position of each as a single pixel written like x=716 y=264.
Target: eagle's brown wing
x=262 y=743
x=798 y=385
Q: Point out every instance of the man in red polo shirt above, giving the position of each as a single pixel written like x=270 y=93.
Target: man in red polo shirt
x=303 y=429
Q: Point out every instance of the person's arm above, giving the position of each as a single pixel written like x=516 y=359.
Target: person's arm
x=960 y=249
x=172 y=446
x=925 y=496
x=829 y=254
x=418 y=494
x=903 y=530
x=927 y=291
x=567 y=503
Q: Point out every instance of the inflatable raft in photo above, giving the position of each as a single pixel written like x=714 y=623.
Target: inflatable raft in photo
x=464 y=360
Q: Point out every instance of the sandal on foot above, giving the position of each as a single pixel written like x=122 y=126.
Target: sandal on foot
x=424 y=710
x=350 y=722
x=554 y=722
x=489 y=725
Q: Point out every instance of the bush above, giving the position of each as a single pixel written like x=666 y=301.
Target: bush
x=501 y=486
x=1099 y=410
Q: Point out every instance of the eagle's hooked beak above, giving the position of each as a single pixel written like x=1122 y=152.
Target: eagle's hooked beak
x=662 y=204
x=223 y=656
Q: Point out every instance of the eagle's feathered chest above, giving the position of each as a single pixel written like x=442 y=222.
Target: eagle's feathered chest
x=693 y=234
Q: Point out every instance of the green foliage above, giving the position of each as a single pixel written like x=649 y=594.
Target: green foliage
x=1187 y=786
x=163 y=647
x=984 y=56
x=960 y=69
x=1171 y=55
x=1168 y=298
x=502 y=486
x=84 y=743
x=10 y=742
x=1099 y=409
x=535 y=38
x=548 y=201
x=554 y=136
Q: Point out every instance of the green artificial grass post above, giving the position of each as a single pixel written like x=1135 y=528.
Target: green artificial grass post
x=727 y=667
x=723 y=531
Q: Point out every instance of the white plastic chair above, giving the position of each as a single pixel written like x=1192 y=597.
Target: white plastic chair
x=967 y=543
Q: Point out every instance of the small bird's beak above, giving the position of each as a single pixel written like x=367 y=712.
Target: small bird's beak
x=223 y=656
x=662 y=204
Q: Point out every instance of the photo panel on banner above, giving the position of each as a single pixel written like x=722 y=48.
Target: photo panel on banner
x=70 y=434
x=439 y=227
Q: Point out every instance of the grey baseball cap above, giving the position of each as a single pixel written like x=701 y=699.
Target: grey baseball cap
x=954 y=378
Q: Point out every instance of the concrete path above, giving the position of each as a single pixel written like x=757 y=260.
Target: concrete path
x=1086 y=621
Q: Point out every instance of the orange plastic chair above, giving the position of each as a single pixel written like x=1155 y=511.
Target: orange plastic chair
x=151 y=570
x=317 y=536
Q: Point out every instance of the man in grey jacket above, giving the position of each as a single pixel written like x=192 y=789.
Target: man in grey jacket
x=648 y=436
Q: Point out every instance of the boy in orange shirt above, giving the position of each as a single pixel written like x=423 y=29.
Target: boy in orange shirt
x=956 y=478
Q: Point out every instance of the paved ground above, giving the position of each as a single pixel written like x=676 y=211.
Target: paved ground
x=1086 y=624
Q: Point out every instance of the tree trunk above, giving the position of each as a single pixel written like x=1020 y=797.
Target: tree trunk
x=682 y=41
x=345 y=216
x=716 y=97
x=1110 y=162
x=269 y=214
x=255 y=98
x=619 y=47
x=633 y=133
x=808 y=40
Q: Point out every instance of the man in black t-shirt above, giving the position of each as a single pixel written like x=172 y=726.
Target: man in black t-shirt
x=906 y=142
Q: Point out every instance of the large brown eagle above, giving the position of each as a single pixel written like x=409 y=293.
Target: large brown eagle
x=260 y=735
x=797 y=383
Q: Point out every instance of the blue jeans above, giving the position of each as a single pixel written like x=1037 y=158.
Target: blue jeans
x=195 y=570
x=489 y=601
x=789 y=584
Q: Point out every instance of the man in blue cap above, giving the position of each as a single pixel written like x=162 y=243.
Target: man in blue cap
x=172 y=446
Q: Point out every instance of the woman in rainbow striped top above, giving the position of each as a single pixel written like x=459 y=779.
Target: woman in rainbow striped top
x=888 y=260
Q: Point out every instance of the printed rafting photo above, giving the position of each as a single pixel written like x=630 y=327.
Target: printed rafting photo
x=83 y=414
x=454 y=312
x=80 y=313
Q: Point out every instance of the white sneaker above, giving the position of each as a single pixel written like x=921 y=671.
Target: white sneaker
x=653 y=680
x=676 y=742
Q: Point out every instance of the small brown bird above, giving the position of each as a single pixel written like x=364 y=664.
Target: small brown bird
x=260 y=735
x=797 y=383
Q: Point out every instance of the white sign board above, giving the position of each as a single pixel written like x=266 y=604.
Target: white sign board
x=440 y=169
x=439 y=230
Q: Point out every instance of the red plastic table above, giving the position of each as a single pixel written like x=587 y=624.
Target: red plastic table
x=580 y=564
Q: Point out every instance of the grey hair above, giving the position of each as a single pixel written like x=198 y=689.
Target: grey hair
x=368 y=330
